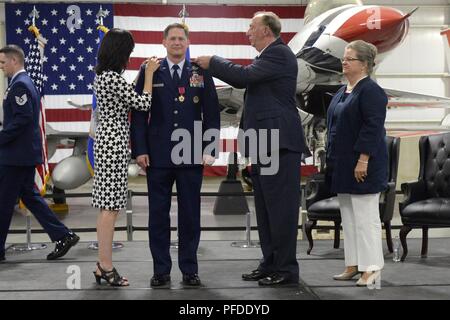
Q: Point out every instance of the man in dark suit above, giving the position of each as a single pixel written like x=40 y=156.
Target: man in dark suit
x=184 y=104
x=270 y=83
x=21 y=151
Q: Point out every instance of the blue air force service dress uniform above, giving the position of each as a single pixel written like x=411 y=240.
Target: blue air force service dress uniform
x=20 y=152
x=177 y=104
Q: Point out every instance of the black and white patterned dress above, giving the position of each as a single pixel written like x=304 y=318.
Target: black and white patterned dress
x=115 y=97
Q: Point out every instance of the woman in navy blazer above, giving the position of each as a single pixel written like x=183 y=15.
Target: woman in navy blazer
x=357 y=161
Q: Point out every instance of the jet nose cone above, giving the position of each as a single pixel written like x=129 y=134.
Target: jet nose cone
x=382 y=26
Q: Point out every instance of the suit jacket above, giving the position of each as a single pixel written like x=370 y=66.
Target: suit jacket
x=359 y=129
x=151 y=131
x=269 y=102
x=20 y=139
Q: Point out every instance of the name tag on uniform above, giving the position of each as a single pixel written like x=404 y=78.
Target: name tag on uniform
x=158 y=85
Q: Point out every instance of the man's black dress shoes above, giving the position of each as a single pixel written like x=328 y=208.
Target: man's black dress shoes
x=63 y=245
x=191 y=280
x=255 y=275
x=159 y=280
x=277 y=279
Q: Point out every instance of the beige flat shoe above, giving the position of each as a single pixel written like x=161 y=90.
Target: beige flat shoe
x=346 y=275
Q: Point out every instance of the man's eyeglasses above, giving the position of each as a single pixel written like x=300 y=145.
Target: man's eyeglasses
x=349 y=59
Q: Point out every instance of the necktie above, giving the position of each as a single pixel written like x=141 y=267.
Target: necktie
x=175 y=76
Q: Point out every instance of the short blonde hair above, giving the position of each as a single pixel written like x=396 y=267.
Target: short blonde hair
x=366 y=52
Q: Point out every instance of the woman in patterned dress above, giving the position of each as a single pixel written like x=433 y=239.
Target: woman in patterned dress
x=115 y=98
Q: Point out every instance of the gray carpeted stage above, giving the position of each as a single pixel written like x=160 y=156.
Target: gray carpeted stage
x=30 y=276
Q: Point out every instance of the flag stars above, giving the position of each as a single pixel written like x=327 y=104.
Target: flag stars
x=97 y=40
x=89 y=49
x=72 y=86
x=80 y=77
x=62 y=21
x=53 y=49
x=27 y=21
x=54 y=67
x=26 y=40
x=44 y=78
x=18 y=12
x=72 y=30
x=90 y=67
x=62 y=77
x=54 y=12
x=89 y=12
x=106 y=12
x=62 y=41
x=44 y=22
x=72 y=67
x=54 y=30
x=54 y=87
x=19 y=31
x=80 y=40
x=89 y=86
x=62 y=59
x=80 y=58
x=89 y=30
x=71 y=49
x=45 y=59
x=80 y=21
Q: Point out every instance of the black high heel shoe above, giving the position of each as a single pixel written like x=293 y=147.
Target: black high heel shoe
x=113 y=278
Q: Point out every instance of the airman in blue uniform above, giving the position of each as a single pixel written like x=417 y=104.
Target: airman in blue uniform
x=184 y=99
x=21 y=151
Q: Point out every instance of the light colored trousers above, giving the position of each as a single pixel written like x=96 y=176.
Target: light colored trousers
x=361 y=223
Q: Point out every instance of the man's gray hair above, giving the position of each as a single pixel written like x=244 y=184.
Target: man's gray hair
x=270 y=20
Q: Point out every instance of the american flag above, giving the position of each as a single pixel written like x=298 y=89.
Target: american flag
x=34 y=68
x=70 y=52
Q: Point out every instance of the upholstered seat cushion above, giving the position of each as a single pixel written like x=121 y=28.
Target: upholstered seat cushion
x=327 y=209
x=433 y=211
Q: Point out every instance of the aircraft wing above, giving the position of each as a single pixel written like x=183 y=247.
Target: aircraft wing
x=398 y=98
x=411 y=111
x=49 y=131
x=231 y=101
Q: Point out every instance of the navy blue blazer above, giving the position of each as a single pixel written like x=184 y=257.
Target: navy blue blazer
x=359 y=129
x=151 y=131
x=269 y=102
x=20 y=139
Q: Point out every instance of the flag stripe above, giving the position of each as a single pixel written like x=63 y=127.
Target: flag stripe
x=205 y=11
x=62 y=115
x=198 y=24
x=210 y=38
x=230 y=52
